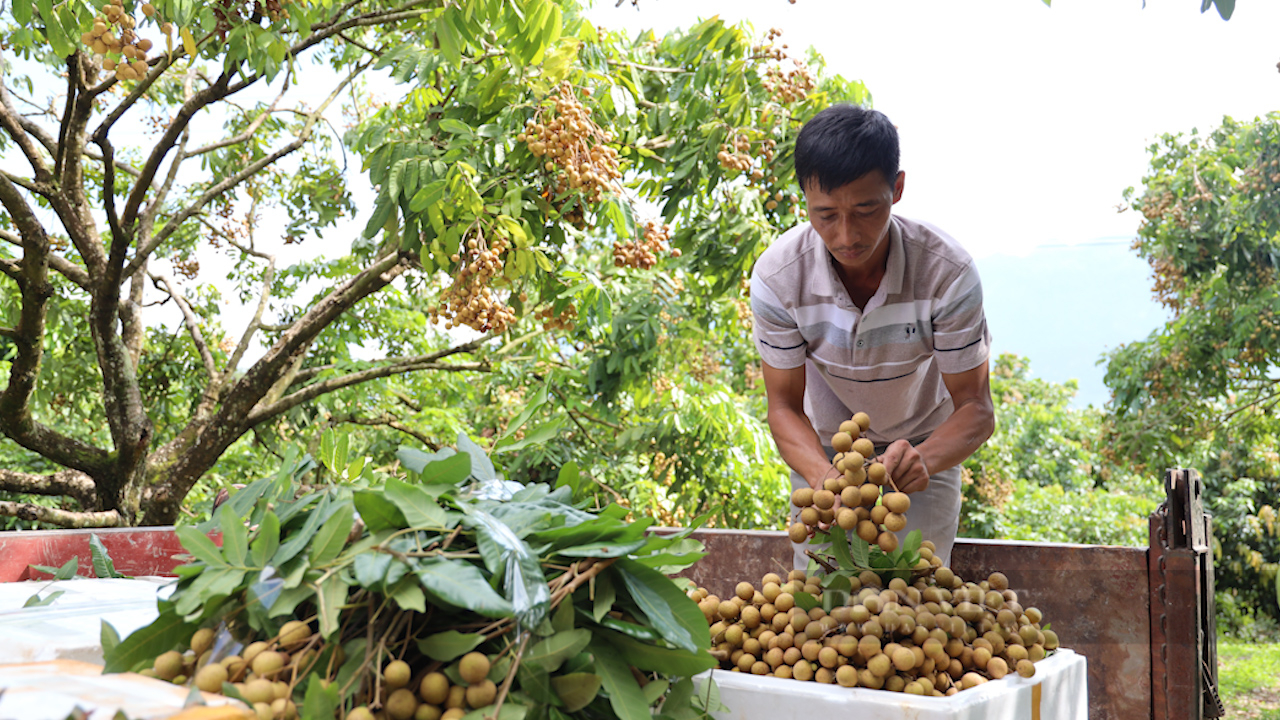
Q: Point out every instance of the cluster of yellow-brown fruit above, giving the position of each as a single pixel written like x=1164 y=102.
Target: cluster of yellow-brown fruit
x=642 y=252
x=564 y=320
x=935 y=637
x=265 y=673
x=576 y=149
x=124 y=54
x=470 y=300
x=853 y=500
x=786 y=86
x=736 y=154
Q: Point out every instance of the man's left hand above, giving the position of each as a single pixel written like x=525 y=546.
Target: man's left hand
x=906 y=467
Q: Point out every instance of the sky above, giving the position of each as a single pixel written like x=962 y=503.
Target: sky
x=1021 y=125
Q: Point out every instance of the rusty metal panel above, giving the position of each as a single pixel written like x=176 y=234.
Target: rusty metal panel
x=134 y=551
x=1095 y=597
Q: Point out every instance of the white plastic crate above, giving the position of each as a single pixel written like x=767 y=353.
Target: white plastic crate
x=1058 y=691
x=70 y=628
x=52 y=690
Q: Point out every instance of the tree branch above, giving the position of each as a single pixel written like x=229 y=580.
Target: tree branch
x=311 y=372
x=68 y=483
x=250 y=129
x=312 y=392
x=386 y=420
x=9 y=120
x=166 y=283
x=176 y=221
x=61 y=518
x=65 y=267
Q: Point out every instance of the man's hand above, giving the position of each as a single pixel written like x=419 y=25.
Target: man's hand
x=906 y=467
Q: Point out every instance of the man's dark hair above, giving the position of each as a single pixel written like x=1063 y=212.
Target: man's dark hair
x=844 y=142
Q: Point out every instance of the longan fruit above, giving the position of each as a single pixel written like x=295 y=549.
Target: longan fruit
x=878 y=514
x=864 y=447
x=1026 y=668
x=998 y=581
x=802 y=497
x=847 y=676
x=853 y=460
x=851 y=496
x=824 y=499
x=168 y=665
x=997 y=668
x=798 y=532
x=894 y=522
x=201 y=641
x=887 y=541
x=898 y=502
x=878 y=473
x=834 y=484
x=868 y=531
x=870 y=493
x=474 y=666
x=863 y=420
x=211 y=677
x=810 y=516
x=852 y=428
x=745 y=590
x=396 y=674
x=842 y=442
x=294 y=633
x=481 y=694
x=880 y=665
x=855 y=477
x=728 y=610
x=846 y=518
x=401 y=704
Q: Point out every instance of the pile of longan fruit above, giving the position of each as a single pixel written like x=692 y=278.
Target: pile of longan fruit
x=934 y=637
x=862 y=508
x=265 y=674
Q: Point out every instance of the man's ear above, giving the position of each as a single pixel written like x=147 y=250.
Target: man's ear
x=898 y=184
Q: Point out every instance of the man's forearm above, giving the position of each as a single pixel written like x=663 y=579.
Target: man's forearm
x=799 y=445
x=958 y=437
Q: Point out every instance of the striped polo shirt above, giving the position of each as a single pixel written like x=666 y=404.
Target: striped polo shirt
x=887 y=360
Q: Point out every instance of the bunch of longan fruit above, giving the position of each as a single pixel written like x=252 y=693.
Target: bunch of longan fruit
x=265 y=674
x=131 y=49
x=576 y=148
x=470 y=300
x=934 y=637
x=874 y=516
x=642 y=253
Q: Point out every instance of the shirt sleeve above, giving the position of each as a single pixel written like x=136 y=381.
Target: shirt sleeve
x=961 y=340
x=777 y=337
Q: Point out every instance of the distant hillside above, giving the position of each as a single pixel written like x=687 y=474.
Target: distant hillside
x=1062 y=306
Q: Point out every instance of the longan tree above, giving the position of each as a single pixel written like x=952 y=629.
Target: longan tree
x=1202 y=390
x=525 y=146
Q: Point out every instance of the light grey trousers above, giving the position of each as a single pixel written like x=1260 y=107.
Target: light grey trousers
x=934 y=512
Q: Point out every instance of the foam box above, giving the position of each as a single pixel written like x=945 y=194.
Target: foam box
x=1058 y=691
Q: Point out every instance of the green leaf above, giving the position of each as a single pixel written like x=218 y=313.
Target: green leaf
x=420 y=508
x=460 y=584
x=860 y=551
x=102 y=565
x=669 y=610
x=510 y=711
x=552 y=652
x=235 y=537
x=625 y=696
x=144 y=644
x=840 y=547
x=602 y=603
x=408 y=594
x=533 y=406
x=576 y=690
x=377 y=512
x=108 y=637
x=321 y=700
x=912 y=544
x=481 y=466
x=570 y=476
x=538 y=436
x=639 y=632
x=602 y=549
x=200 y=546
x=332 y=537
x=212 y=583
x=655 y=690
x=804 y=600
x=37 y=601
x=22 y=12
x=456 y=127
x=331 y=595
x=446 y=467
x=646 y=656
x=267 y=541
x=449 y=43
x=449 y=645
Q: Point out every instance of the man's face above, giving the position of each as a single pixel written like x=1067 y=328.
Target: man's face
x=853 y=219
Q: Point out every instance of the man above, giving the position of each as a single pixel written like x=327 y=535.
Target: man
x=859 y=310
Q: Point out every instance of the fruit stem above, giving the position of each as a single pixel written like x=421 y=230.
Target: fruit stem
x=511 y=675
